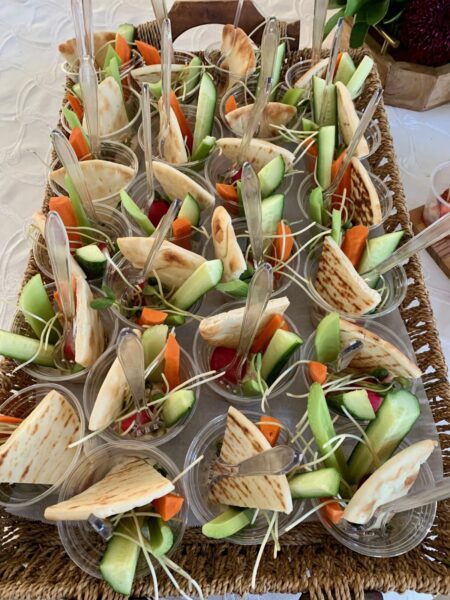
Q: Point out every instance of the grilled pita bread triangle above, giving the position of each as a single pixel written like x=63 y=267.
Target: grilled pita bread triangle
x=366 y=203
x=238 y=50
x=173 y=263
x=224 y=329
x=318 y=69
x=177 y=185
x=226 y=246
x=390 y=481
x=131 y=484
x=152 y=73
x=376 y=352
x=259 y=152
x=103 y=177
x=37 y=451
x=68 y=49
x=89 y=334
x=275 y=113
x=348 y=119
x=173 y=144
x=243 y=440
x=112 y=115
x=339 y=283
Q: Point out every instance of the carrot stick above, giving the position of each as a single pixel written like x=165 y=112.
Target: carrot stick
x=317 y=371
x=338 y=60
x=150 y=316
x=122 y=48
x=231 y=104
x=79 y=144
x=181 y=228
x=333 y=511
x=149 y=53
x=266 y=334
x=311 y=155
x=270 y=429
x=182 y=121
x=172 y=362
x=8 y=419
x=168 y=506
x=63 y=206
x=284 y=244
x=75 y=105
x=227 y=191
x=344 y=183
x=354 y=243
x=284 y=326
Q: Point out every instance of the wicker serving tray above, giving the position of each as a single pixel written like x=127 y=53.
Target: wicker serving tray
x=33 y=563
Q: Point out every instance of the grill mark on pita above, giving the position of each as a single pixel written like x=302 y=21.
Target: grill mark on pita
x=25 y=471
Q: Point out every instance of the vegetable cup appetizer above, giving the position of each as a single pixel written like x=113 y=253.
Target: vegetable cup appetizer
x=114 y=170
x=38 y=326
x=121 y=514
x=38 y=426
x=231 y=244
x=271 y=359
x=170 y=397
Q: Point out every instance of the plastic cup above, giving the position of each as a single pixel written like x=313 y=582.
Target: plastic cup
x=206 y=444
x=19 y=326
x=94 y=382
x=21 y=404
x=203 y=351
x=84 y=546
x=114 y=152
x=280 y=282
x=438 y=203
x=111 y=222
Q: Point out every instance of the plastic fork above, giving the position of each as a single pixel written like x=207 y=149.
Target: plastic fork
x=345 y=356
x=82 y=20
x=166 y=52
x=160 y=10
x=147 y=131
x=89 y=89
x=251 y=198
x=320 y=12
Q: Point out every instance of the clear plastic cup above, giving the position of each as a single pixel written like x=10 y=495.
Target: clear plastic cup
x=190 y=112
x=280 y=282
x=223 y=77
x=309 y=183
x=111 y=222
x=114 y=152
x=206 y=443
x=95 y=380
x=438 y=203
x=392 y=289
x=296 y=71
x=127 y=135
x=404 y=531
x=19 y=326
x=84 y=546
x=202 y=352
x=21 y=404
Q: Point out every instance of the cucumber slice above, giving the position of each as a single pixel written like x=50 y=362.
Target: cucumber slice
x=160 y=535
x=292 y=96
x=228 y=523
x=23 y=348
x=203 y=279
x=76 y=89
x=206 y=107
x=118 y=565
x=336 y=226
x=271 y=176
x=277 y=67
x=156 y=89
x=92 y=260
x=330 y=114
x=110 y=54
x=327 y=341
x=251 y=387
x=281 y=347
x=113 y=70
x=176 y=405
x=34 y=299
x=356 y=402
x=322 y=427
x=318 y=88
x=80 y=215
x=189 y=76
x=127 y=31
x=378 y=249
x=190 y=210
x=393 y=421
x=236 y=288
x=205 y=148
x=316 y=207
x=136 y=213
x=322 y=483
x=308 y=125
x=325 y=154
x=73 y=121
x=358 y=78
x=153 y=341
x=175 y=320
x=272 y=209
x=346 y=69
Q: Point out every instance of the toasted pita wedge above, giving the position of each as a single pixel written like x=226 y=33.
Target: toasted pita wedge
x=238 y=49
x=339 y=283
x=224 y=329
x=275 y=113
x=318 y=69
x=173 y=146
x=152 y=73
x=68 y=49
x=89 y=334
x=177 y=185
x=259 y=152
x=37 y=451
x=367 y=208
x=243 y=440
x=129 y=485
x=173 y=263
x=226 y=246
x=112 y=115
x=376 y=352
x=103 y=178
x=392 y=480
x=348 y=119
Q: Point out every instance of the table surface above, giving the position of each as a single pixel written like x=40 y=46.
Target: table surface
x=30 y=97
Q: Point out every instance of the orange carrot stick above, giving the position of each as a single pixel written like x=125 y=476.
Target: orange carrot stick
x=227 y=191
x=11 y=420
x=354 y=243
x=149 y=53
x=182 y=121
x=317 y=371
x=151 y=316
x=172 y=362
x=181 y=228
x=265 y=335
x=270 y=429
x=231 y=104
x=333 y=511
x=284 y=244
x=168 y=506
x=75 y=105
x=345 y=182
x=63 y=206
x=79 y=144
x=122 y=48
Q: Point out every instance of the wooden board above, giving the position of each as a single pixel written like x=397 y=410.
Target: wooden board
x=440 y=252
